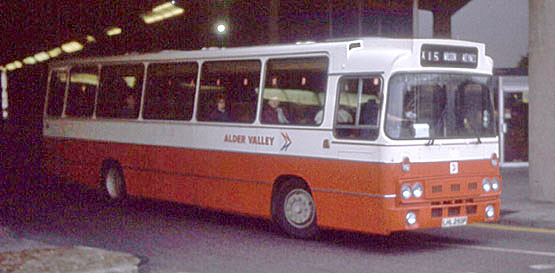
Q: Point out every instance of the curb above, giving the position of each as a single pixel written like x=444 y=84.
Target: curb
x=68 y=259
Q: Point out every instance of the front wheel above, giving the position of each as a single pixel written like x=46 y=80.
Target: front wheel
x=113 y=183
x=295 y=210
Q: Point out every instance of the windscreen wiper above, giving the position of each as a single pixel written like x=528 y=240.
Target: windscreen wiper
x=432 y=138
x=473 y=131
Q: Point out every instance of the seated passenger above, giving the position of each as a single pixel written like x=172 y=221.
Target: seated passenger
x=221 y=113
x=274 y=113
x=343 y=116
x=369 y=113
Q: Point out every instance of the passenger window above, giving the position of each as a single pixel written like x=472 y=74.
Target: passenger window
x=56 y=93
x=120 y=91
x=170 y=91
x=295 y=91
x=358 y=111
x=82 y=89
x=228 y=91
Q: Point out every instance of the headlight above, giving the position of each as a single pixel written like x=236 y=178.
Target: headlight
x=495 y=184
x=417 y=190
x=490 y=211
x=406 y=191
x=486 y=185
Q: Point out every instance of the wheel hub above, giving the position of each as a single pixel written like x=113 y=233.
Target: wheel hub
x=299 y=208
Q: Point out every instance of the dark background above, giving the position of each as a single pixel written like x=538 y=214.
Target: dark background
x=29 y=27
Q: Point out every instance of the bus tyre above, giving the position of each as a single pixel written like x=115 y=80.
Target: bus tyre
x=295 y=211
x=113 y=183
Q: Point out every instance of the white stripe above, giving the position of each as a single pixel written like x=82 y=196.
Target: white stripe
x=508 y=250
x=542 y=266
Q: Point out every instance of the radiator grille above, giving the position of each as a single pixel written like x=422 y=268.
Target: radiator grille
x=453 y=211
x=437 y=212
x=452 y=208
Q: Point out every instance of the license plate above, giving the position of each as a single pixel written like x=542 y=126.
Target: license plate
x=454 y=221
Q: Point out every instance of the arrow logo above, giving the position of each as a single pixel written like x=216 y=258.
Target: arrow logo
x=287 y=143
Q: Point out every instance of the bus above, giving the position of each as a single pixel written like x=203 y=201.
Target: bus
x=373 y=135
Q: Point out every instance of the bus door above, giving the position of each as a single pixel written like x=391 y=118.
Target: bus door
x=357 y=112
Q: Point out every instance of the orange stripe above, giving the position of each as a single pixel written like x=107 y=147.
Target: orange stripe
x=346 y=192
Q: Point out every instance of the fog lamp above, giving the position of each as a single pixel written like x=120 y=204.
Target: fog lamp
x=410 y=218
x=490 y=211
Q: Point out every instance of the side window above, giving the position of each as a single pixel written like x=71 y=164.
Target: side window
x=82 y=89
x=358 y=111
x=120 y=91
x=56 y=92
x=228 y=91
x=295 y=90
x=170 y=91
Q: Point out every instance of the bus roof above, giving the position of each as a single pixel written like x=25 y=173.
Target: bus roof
x=347 y=53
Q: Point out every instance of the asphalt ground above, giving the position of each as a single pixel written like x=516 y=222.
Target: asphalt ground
x=19 y=162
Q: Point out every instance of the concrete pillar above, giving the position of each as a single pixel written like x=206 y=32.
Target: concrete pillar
x=442 y=23
x=542 y=97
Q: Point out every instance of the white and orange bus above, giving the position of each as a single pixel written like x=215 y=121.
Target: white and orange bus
x=373 y=135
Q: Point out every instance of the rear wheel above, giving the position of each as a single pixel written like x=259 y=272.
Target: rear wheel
x=113 y=183
x=295 y=210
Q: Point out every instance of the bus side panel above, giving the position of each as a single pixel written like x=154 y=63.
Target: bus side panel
x=67 y=160
x=159 y=185
x=246 y=198
x=231 y=181
x=167 y=175
x=86 y=173
x=52 y=161
x=83 y=161
x=219 y=180
x=128 y=155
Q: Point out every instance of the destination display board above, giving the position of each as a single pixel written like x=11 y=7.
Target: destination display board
x=448 y=56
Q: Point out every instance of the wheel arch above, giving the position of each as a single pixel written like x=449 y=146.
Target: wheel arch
x=106 y=165
x=278 y=183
